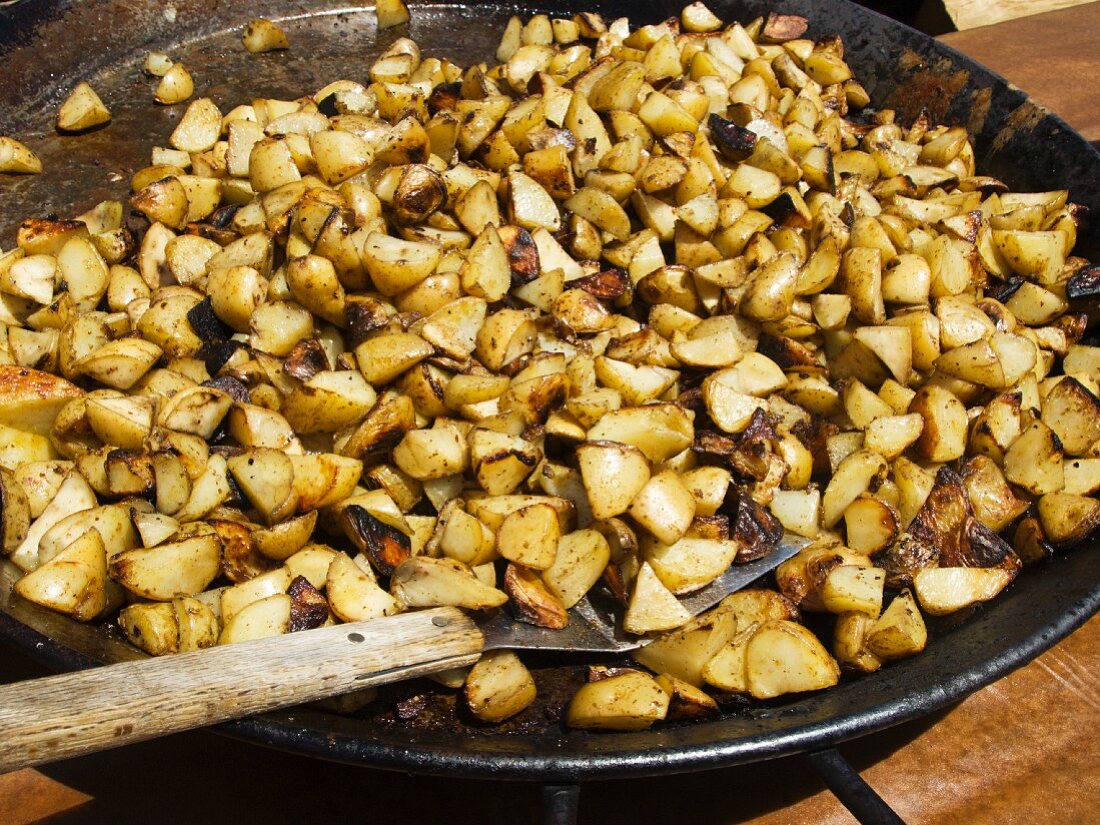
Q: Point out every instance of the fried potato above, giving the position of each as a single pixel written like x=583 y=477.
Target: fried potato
x=499 y=686
x=630 y=701
x=784 y=657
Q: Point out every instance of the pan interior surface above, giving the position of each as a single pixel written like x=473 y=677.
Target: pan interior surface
x=1016 y=141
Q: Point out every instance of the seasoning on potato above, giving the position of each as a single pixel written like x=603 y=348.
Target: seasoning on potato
x=82 y=110
x=611 y=313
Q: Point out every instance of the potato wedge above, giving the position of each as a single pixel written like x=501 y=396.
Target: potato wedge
x=353 y=595
x=499 y=686
x=900 y=630
x=269 y=616
x=530 y=536
x=652 y=605
x=151 y=626
x=943 y=590
x=630 y=701
x=784 y=657
x=168 y=570
x=578 y=564
x=73 y=496
x=73 y=582
x=83 y=109
x=613 y=476
x=427 y=582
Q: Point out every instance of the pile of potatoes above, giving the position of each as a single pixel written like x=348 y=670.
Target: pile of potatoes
x=616 y=311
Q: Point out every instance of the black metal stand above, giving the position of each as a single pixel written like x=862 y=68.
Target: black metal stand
x=560 y=804
x=851 y=788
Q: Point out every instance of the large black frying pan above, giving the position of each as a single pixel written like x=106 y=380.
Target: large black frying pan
x=45 y=47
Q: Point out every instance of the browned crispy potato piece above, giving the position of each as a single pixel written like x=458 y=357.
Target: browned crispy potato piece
x=686 y=702
x=30 y=400
x=531 y=600
x=946 y=533
x=803 y=577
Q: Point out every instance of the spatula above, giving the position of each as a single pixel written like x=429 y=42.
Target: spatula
x=43 y=720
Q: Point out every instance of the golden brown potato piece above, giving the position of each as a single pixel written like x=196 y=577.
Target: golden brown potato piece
x=261 y=35
x=784 y=657
x=802 y=578
x=579 y=562
x=686 y=702
x=73 y=582
x=17 y=157
x=849 y=643
x=152 y=626
x=630 y=701
x=899 y=632
x=354 y=595
x=269 y=616
x=942 y=590
x=653 y=606
x=531 y=600
x=83 y=109
x=30 y=400
x=530 y=536
x=15 y=512
x=499 y=686
x=427 y=582
x=172 y=569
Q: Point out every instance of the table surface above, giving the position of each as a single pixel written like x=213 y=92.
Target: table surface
x=1020 y=751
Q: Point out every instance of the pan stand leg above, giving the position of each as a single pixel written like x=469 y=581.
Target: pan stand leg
x=851 y=788
x=559 y=804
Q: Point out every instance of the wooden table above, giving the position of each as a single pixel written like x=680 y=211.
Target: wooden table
x=1054 y=56
x=1021 y=751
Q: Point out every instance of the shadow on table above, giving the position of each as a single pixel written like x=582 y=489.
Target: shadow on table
x=175 y=780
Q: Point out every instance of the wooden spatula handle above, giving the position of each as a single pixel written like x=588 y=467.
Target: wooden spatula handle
x=42 y=720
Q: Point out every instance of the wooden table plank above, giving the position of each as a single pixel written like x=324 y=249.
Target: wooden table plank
x=969 y=14
x=1054 y=56
x=27 y=797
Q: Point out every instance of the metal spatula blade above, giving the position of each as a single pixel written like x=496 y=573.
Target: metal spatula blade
x=595 y=626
